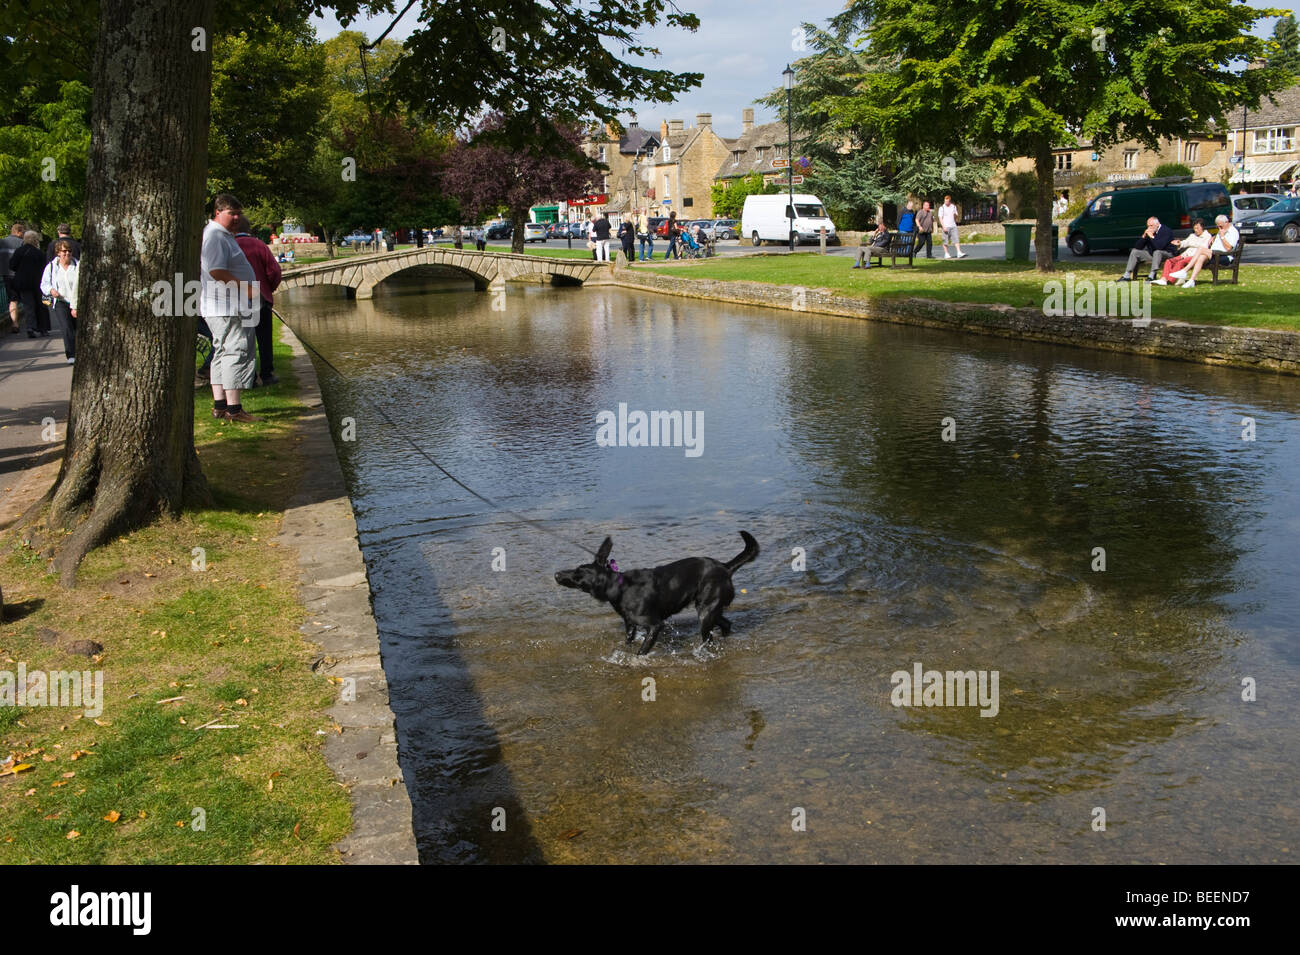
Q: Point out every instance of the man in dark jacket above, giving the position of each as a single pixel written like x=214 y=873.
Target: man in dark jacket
x=1152 y=247
x=64 y=232
x=8 y=246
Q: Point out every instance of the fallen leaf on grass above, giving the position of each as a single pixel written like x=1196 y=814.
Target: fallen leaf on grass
x=73 y=834
x=99 y=722
x=171 y=699
x=15 y=769
x=142 y=814
x=270 y=782
x=80 y=753
x=113 y=816
x=572 y=833
x=57 y=783
x=68 y=775
x=295 y=830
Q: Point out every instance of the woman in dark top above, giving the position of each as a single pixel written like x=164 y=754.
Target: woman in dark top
x=627 y=234
x=28 y=263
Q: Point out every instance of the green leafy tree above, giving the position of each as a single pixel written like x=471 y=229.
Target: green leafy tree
x=268 y=102
x=1285 y=53
x=729 y=202
x=1017 y=79
x=43 y=164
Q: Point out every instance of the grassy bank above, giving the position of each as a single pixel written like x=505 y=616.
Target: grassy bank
x=1265 y=298
x=143 y=781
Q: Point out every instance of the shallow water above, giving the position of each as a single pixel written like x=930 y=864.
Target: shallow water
x=1119 y=689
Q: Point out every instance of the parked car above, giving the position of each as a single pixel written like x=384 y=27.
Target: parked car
x=1115 y=219
x=357 y=238
x=534 y=232
x=1280 y=222
x=1248 y=202
x=726 y=228
x=499 y=230
x=769 y=218
x=706 y=227
x=576 y=230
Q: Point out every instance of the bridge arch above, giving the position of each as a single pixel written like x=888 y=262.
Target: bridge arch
x=361 y=274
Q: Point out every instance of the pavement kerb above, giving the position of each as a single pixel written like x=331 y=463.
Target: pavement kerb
x=320 y=526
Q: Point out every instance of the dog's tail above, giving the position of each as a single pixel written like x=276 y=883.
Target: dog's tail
x=746 y=555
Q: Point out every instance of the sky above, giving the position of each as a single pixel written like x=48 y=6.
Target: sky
x=741 y=47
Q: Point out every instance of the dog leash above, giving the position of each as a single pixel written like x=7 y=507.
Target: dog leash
x=419 y=450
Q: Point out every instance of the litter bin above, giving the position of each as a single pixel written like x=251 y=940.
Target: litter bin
x=1017 y=241
x=1056 y=244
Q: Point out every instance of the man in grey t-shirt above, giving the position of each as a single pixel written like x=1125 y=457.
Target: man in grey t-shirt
x=228 y=300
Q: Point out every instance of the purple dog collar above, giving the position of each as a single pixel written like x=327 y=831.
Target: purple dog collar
x=614 y=567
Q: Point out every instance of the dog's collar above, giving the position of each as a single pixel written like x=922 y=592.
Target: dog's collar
x=614 y=567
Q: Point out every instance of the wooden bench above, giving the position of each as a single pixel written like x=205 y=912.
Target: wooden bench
x=1216 y=262
x=901 y=245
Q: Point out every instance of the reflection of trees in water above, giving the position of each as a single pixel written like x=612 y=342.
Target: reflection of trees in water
x=1043 y=470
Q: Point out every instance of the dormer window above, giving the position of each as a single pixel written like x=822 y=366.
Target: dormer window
x=666 y=153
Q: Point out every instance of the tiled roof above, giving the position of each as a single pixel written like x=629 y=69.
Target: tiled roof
x=635 y=138
x=766 y=136
x=1285 y=113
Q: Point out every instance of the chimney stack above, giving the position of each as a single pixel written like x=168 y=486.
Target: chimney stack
x=704 y=120
x=746 y=120
x=675 y=125
x=663 y=130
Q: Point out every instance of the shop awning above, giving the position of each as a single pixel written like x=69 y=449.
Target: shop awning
x=1263 y=171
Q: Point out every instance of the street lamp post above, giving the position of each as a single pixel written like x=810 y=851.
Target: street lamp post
x=789 y=150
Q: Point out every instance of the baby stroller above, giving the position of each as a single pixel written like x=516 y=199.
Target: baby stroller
x=693 y=248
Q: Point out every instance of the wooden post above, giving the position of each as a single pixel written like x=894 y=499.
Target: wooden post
x=823 y=232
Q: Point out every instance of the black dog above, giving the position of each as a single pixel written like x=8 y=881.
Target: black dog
x=646 y=598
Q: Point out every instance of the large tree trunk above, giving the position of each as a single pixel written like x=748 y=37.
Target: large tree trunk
x=1045 y=169
x=129 y=456
x=517 y=219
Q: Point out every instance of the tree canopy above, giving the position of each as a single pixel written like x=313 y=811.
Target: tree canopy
x=1016 y=79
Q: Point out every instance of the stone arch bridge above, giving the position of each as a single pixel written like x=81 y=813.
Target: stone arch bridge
x=361 y=273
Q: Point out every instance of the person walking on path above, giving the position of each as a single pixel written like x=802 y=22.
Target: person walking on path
x=8 y=246
x=27 y=264
x=59 y=282
x=227 y=295
x=268 y=275
x=673 y=236
x=925 y=230
x=600 y=229
x=64 y=231
x=646 y=236
x=948 y=226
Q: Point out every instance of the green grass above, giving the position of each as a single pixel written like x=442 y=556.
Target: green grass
x=225 y=639
x=1265 y=297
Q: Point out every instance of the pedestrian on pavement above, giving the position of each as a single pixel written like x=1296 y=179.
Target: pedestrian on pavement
x=8 y=246
x=673 y=236
x=925 y=230
x=27 y=264
x=627 y=236
x=59 y=282
x=228 y=298
x=268 y=275
x=948 y=227
x=63 y=231
x=458 y=238
x=480 y=239
x=600 y=230
x=646 y=236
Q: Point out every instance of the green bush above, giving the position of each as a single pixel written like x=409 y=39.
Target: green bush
x=1171 y=169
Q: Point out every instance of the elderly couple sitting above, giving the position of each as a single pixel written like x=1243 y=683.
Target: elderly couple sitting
x=1180 y=260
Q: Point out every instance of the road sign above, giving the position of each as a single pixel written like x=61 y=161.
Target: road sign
x=780 y=163
x=796 y=180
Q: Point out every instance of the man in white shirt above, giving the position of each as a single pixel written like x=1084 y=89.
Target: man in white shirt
x=947 y=214
x=1227 y=241
x=229 y=293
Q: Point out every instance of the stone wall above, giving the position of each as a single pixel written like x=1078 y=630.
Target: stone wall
x=1263 y=349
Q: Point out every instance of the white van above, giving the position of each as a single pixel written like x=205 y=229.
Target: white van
x=767 y=218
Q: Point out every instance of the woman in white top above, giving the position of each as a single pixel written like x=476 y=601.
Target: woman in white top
x=59 y=282
x=1199 y=239
x=1226 y=241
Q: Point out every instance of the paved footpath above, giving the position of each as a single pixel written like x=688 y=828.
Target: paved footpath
x=35 y=380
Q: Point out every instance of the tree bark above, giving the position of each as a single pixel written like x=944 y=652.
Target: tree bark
x=517 y=219
x=129 y=456
x=1045 y=169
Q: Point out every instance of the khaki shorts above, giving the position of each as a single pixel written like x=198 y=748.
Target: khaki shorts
x=234 y=351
